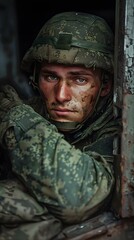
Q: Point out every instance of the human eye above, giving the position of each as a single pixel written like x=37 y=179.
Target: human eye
x=49 y=77
x=52 y=78
x=80 y=81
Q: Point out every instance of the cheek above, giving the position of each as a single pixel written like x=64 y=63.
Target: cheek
x=89 y=94
x=45 y=91
x=87 y=100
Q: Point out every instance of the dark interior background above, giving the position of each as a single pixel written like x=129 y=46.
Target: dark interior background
x=32 y=15
x=20 y=22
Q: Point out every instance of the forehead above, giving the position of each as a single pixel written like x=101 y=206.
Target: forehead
x=69 y=68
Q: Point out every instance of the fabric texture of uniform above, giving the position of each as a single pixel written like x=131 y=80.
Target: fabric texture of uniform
x=50 y=180
x=55 y=180
x=73 y=38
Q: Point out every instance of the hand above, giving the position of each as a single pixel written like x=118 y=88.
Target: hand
x=8 y=99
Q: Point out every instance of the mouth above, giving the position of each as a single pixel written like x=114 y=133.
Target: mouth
x=62 y=111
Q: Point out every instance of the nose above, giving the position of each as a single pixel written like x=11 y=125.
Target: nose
x=62 y=92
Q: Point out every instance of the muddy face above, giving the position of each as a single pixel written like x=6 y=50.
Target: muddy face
x=69 y=92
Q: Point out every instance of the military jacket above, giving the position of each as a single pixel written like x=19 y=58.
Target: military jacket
x=56 y=179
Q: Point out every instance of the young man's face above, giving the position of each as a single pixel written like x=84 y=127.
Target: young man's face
x=69 y=92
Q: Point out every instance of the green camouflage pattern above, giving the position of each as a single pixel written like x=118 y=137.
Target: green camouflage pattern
x=73 y=38
x=52 y=169
x=53 y=181
x=97 y=132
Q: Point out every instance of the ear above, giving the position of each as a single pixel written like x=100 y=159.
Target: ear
x=106 y=88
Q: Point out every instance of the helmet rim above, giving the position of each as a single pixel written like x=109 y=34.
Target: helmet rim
x=72 y=38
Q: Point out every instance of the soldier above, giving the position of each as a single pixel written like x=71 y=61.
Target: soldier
x=60 y=143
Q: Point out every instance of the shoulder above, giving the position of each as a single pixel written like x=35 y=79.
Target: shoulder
x=37 y=104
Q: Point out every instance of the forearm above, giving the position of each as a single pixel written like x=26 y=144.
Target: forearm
x=56 y=173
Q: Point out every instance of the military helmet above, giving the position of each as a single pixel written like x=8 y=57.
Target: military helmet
x=73 y=38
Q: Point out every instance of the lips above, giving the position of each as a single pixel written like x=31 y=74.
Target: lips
x=61 y=111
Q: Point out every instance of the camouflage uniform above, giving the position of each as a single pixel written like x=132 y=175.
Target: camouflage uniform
x=56 y=179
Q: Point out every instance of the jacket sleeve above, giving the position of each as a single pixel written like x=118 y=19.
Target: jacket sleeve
x=72 y=184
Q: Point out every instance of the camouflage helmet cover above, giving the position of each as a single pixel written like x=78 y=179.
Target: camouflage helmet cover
x=73 y=38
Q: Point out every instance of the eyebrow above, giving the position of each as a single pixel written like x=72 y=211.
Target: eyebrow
x=75 y=73
x=48 y=71
x=80 y=73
